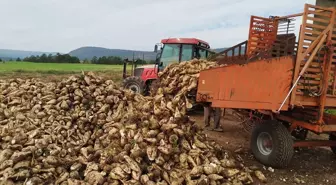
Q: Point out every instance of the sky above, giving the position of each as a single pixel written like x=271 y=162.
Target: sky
x=65 y=25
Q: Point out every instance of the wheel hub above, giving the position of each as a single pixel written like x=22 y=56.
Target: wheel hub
x=264 y=143
x=134 y=88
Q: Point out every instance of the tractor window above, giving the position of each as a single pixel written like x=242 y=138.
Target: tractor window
x=202 y=53
x=187 y=51
x=170 y=54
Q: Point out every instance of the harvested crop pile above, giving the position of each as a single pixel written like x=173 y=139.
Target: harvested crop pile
x=180 y=78
x=86 y=130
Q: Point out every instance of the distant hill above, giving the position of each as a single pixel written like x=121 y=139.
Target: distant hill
x=7 y=58
x=219 y=49
x=85 y=53
x=89 y=52
x=7 y=54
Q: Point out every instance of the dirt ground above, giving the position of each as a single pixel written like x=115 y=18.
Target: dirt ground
x=315 y=166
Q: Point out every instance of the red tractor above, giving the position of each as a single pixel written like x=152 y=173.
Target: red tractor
x=171 y=50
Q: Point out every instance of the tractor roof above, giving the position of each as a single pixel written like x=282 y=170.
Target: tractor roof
x=183 y=41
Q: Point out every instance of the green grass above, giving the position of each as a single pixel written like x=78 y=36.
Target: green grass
x=55 y=68
x=331 y=111
x=56 y=71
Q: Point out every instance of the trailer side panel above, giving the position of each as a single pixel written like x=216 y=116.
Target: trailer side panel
x=262 y=84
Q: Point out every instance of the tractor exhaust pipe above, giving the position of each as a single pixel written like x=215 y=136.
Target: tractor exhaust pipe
x=124 y=68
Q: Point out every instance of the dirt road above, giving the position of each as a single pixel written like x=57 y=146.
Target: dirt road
x=315 y=166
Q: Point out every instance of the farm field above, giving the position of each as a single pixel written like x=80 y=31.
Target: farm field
x=54 y=71
x=55 y=67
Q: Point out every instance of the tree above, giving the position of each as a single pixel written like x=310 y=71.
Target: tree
x=59 y=58
x=94 y=60
x=107 y=60
x=75 y=60
x=18 y=59
x=140 y=61
x=102 y=60
x=43 y=58
x=151 y=62
x=50 y=58
x=86 y=61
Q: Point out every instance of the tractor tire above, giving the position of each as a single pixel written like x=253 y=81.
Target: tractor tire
x=279 y=151
x=332 y=137
x=135 y=84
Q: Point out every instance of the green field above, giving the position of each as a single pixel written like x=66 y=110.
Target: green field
x=57 y=71
x=55 y=67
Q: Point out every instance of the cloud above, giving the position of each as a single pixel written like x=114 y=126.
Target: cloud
x=63 y=25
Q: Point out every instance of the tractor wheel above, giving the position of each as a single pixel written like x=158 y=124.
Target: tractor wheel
x=332 y=137
x=272 y=144
x=135 y=84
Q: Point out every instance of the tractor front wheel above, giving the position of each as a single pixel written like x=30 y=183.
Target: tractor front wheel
x=272 y=144
x=134 y=83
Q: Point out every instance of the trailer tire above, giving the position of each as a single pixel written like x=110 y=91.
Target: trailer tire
x=134 y=83
x=281 y=151
x=332 y=137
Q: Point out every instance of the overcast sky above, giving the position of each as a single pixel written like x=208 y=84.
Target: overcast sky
x=64 y=25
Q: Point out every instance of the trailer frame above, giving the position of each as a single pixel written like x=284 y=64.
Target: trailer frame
x=280 y=71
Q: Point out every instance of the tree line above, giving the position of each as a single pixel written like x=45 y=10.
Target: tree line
x=115 y=60
x=66 y=58
x=58 y=58
x=107 y=60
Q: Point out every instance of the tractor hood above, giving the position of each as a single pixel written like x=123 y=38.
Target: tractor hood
x=148 y=66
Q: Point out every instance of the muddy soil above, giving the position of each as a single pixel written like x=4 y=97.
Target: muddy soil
x=315 y=166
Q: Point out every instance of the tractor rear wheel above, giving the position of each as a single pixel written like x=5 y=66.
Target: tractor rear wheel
x=134 y=83
x=272 y=144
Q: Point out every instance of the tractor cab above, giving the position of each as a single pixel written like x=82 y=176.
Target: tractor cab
x=180 y=49
x=172 y=50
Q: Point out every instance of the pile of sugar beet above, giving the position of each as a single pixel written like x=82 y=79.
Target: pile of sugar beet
x=87 y=130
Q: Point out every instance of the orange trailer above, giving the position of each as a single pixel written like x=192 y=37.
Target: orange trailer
x=288 y=85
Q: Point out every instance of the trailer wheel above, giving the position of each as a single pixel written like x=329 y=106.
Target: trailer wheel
x=271 y=144
x=332 y=137
x=135 y=84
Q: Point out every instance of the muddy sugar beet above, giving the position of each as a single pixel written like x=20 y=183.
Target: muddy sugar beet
x=87 y=130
